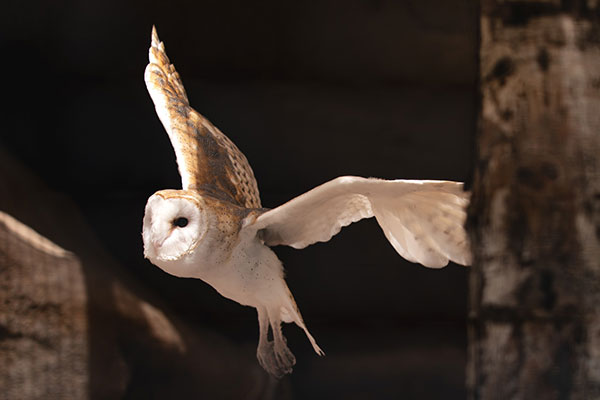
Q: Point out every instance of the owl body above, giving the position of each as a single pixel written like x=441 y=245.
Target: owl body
x=253 y=276
x=214 y=229
x=210 y=246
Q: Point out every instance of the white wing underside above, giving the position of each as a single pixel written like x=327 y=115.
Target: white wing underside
x=423 y=220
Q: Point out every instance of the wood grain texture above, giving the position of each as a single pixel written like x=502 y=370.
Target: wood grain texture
x=535 y=212
x=43 y=324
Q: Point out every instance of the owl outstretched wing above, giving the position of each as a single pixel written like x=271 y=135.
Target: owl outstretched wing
x=423 y=220
x=208 y=161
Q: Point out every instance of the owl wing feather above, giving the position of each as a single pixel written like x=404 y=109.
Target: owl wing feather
x=206 y=158
x=423 y=220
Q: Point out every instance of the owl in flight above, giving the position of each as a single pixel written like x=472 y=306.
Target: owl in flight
x=215 y=228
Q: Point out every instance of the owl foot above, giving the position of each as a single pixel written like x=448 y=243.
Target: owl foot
x=276 y=358
x=273 y=355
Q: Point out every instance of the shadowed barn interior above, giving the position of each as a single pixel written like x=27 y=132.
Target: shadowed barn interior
x=308 y=92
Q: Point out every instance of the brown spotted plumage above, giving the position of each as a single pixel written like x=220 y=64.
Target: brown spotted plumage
x=207 y=159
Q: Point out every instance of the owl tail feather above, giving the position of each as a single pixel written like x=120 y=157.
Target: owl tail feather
x=291 y=313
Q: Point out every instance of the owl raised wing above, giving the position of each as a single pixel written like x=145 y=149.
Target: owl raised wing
x=214 y=229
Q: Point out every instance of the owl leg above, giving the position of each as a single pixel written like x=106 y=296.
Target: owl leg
x=274 y=356
x=264 y=352
x=283 y=354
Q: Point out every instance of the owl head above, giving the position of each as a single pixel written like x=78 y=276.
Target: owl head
x=175 y=222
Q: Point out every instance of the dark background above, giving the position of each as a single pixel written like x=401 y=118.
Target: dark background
x=308 y=91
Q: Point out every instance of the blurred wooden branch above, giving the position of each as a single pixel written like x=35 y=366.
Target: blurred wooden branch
x=535 y=213
x=43 y=324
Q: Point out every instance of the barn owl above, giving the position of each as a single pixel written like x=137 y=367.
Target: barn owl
x=215 y=228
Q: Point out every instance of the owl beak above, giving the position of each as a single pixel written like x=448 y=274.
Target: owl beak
x=157 y=244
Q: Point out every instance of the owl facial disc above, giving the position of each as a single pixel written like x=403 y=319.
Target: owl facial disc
x=173 y=225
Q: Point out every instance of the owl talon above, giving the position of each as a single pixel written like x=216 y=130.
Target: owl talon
x=284 y=355
x=275 y=360
x=273 y=355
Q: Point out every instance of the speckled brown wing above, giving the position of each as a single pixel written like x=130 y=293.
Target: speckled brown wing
x=207 y=160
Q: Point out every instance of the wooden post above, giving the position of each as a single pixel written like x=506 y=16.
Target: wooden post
x=534 y=220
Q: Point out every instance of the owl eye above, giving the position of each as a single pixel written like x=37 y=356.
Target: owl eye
x=180 y=222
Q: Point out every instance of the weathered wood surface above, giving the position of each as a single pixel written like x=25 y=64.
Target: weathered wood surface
x=535 y=213
x=73 y=325
x=43 y=324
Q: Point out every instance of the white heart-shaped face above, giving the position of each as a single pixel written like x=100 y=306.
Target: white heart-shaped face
x=173 y=226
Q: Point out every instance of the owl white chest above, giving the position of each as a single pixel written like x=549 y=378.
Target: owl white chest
x=245 y=272
x=250 y=273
